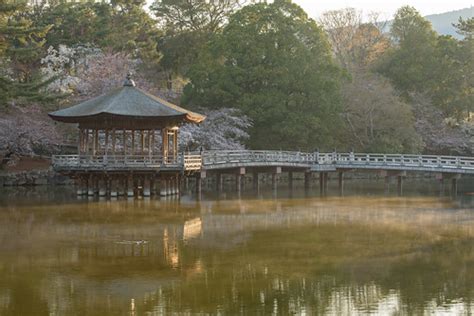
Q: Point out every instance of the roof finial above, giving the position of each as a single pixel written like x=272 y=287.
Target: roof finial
x=128 y=82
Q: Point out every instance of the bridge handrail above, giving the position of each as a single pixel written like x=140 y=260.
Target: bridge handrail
x=238 y=156
x=195 y=160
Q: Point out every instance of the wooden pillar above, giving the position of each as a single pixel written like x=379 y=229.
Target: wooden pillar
x=307 y=180
x=326 y=182
x=163 y=186
x=152 y=185
x=400 y=185
x=321 y=183
x=256 y=184
x=149 y=143
x=171 y=186
x=153 y=132
x=218 y=182
x=102 y=181
x=114 y=139
x=454 y=186
x=387 y=184
x=90 y=189
x=86 y=141
x=238 y=183
x=93 y=142
x=106 y=149
x=114 y=187
x=240 y=179
x=79 y=146
x=133 y=142
x=130 y=186
x=124 y=142
x=96 y=141
x=275 y=176
x=79 y=186
x=290 y=180
x=178 y=184
x=165 y=144
x=341 y=182
x=146 y=186
x=142 y=142
x=175 y=145
x=198 y=185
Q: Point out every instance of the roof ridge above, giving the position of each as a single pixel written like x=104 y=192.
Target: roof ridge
x=114 y=94
x=165 y=102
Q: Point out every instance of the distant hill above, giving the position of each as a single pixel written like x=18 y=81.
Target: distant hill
x=442 y=23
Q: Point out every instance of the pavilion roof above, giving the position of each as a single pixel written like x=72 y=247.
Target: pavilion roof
x=126 y=102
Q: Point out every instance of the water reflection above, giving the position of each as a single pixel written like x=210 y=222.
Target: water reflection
x=352 y=255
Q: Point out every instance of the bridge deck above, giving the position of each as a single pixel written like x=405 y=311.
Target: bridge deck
x=221 y=160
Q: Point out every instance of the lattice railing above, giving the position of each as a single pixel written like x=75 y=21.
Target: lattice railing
x=195 y=161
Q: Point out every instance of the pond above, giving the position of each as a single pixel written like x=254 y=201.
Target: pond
x=290 y=252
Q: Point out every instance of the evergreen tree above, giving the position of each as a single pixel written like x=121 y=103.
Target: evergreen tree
x=21 y=47
x=409 y=64
x=275 y=64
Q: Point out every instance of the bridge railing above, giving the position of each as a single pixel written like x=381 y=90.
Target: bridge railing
x=403 y=160
x=194 y=161
x=213 y=158
x=255 y=156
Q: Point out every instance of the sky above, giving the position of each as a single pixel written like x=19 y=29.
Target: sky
x=386 y=8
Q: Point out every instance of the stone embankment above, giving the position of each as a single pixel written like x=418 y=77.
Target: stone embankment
x=32 y=178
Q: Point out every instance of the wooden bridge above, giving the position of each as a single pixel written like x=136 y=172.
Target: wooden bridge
x=239 y=163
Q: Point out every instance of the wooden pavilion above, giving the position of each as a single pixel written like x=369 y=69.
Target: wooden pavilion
x=128 y=142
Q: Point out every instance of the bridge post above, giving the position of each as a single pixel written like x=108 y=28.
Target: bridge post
x=146 y=186
x=238 y=183
x=454 y=187
x=152 y=185
x=186 y=182
x=321 y=183
x=326 y=182
x=163 y=186
x=400 y=185
x=440 y=178
x=177 y=186
x=122 y=186
x=275 y=175
x=290 y=180
x=172 y=186
x=200 y=176
x=82 y=185
x=114 y=187
x=256 y=184
x=307 y=180
x=130 y=186
x=219 y=182
x=90 y=187
x=240 y=179
x=340 y=181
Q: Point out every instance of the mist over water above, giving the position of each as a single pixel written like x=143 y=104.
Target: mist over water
x=260 y=253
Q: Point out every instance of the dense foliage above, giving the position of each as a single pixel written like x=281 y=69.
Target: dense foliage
x=267 y=75
x=273 y=63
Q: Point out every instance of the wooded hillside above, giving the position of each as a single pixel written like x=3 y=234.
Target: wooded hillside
x=269 y=76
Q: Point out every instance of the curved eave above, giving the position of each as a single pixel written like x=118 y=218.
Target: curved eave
x=189 y=117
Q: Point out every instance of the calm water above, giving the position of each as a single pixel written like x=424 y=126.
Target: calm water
x=292 y=253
